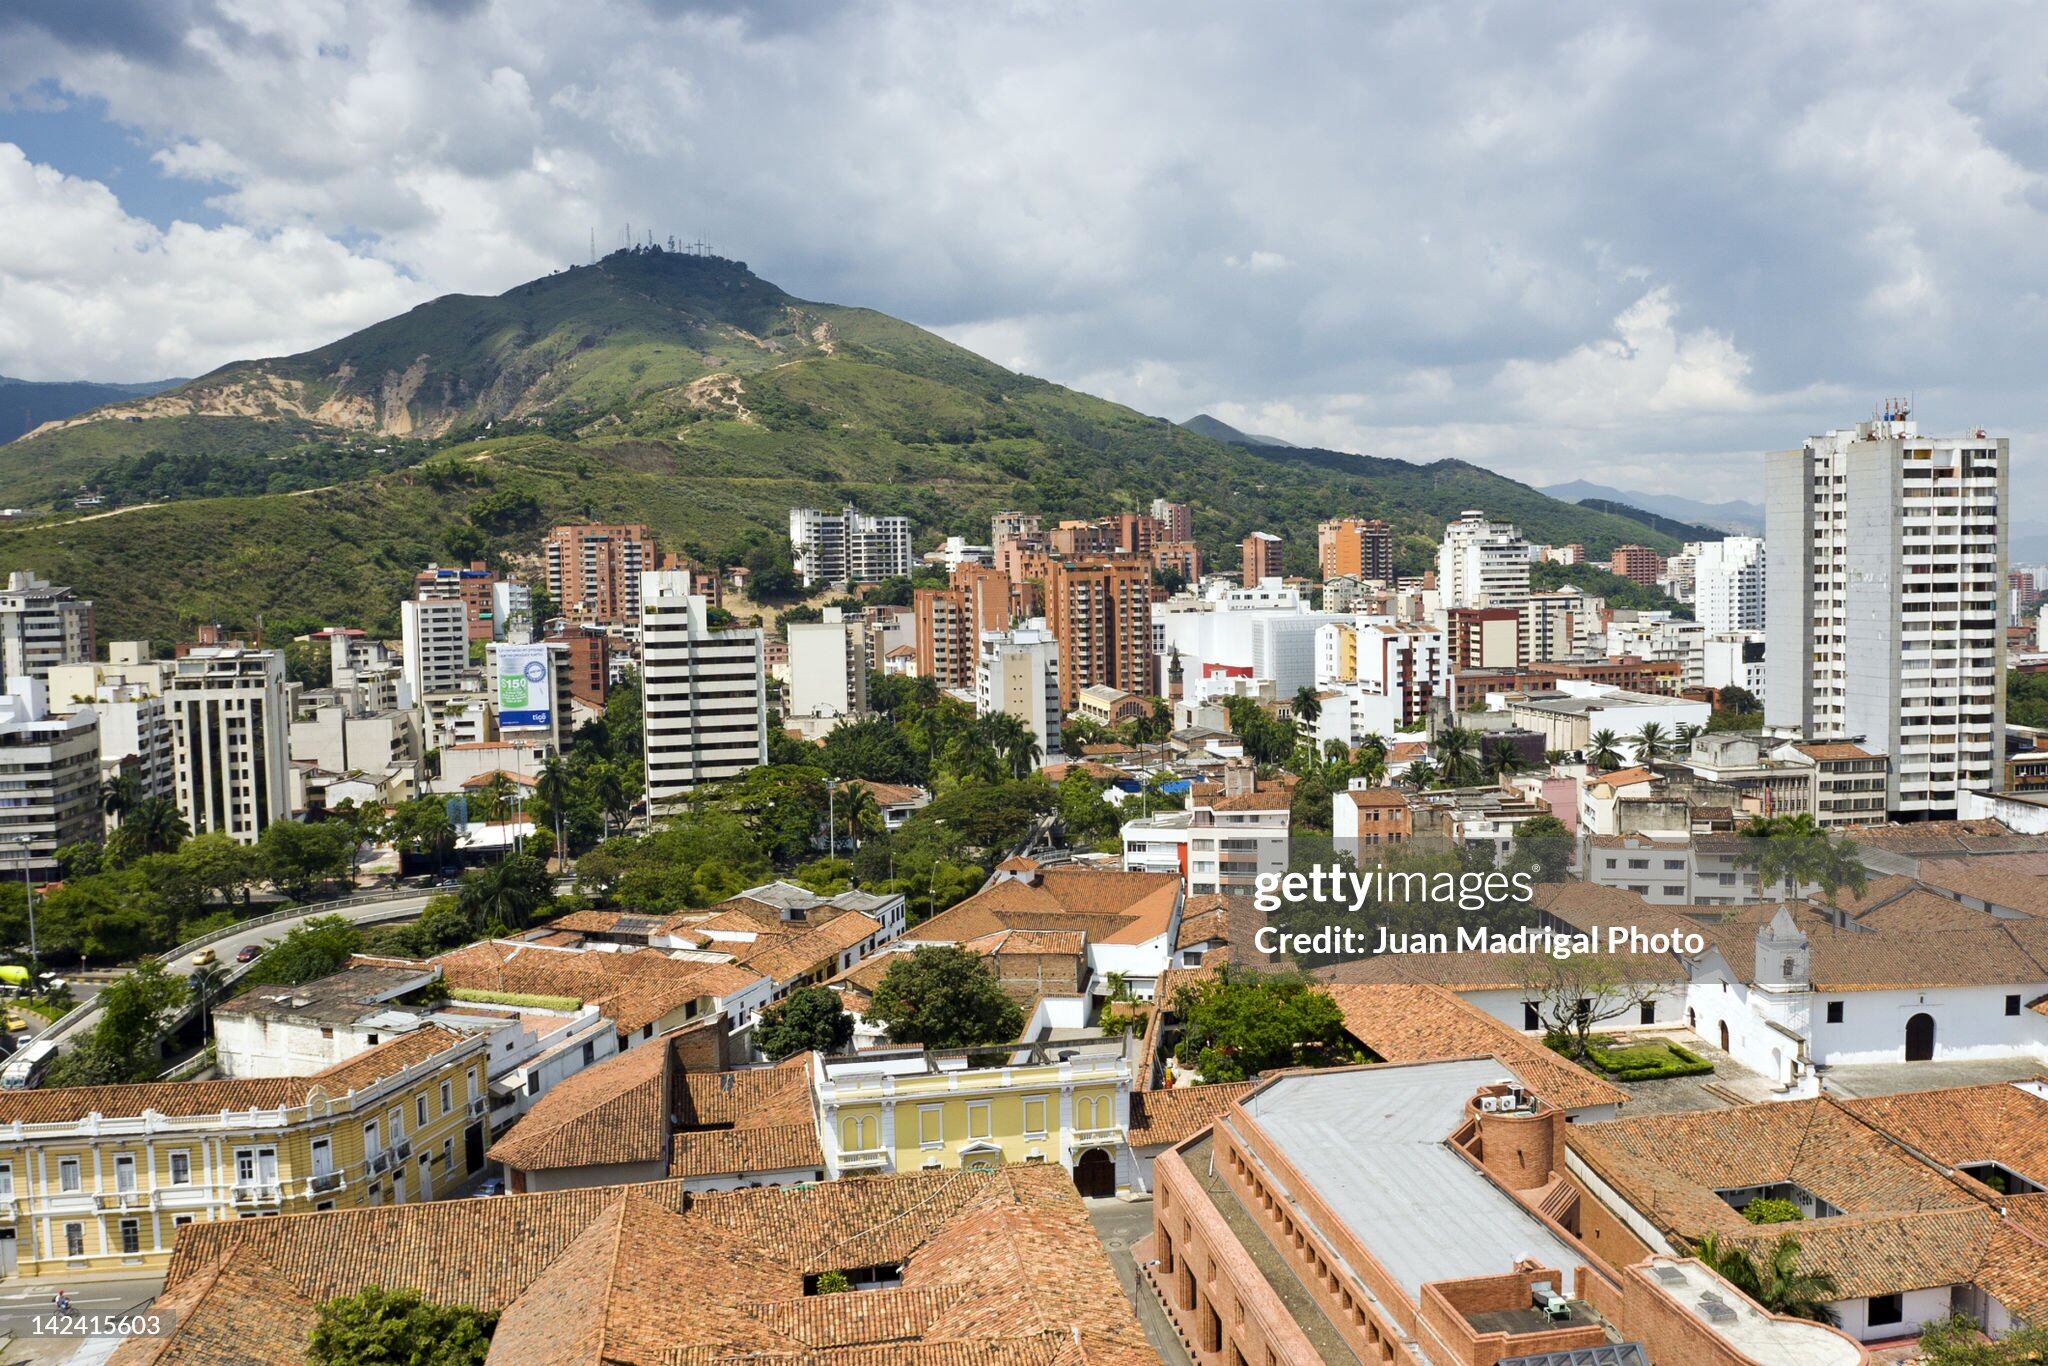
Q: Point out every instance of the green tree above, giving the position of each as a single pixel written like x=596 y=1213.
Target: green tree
x=1603 y=750
x=942 y=996
x=1239 y=1023
x=1776 y=1281
x=222 y=866
x=153 y=825
x=1652 y=743
x=135 y=1011
x=378 y=1327
x=1959 y=1341
x=1770 y=1210
x=318 y=948
x=111 y=917
x=808 y=1019
x=505 y=893
x=1456 y=756
x=301 y=858
x=1542 y=848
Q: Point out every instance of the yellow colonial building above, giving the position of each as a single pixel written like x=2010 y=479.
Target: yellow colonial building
x=98 y=1179
x=912 y=1109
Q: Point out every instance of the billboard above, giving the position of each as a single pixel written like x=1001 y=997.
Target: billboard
x=526 y=688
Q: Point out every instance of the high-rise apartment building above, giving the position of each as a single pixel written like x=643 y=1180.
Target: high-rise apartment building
x=949 y=623
x=1018 y=673
x=1482 y=563
x=1557 y=625
x=593 y=572
x=434 y=636
x=1362 y=547
x=828 y=671
x=1100 y=612
x=704 y=692
x=1261 y=555
x=1638 y=563
x=49 y=779
x=1885 y=571
x=230 y=739
x=42 y=625
x=1728 y=585
x=1176 y=520
x=848 y=546
x=475 y=588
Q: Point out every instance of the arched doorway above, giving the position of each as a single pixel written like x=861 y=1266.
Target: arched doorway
x=1920 y=1038
x=1724 y=1036
x=1692 y=1019
x=1095 y=1173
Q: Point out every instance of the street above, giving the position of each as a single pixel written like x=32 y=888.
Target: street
x=22 y=1301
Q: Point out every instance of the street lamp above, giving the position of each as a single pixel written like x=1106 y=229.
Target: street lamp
x=831 y=818
x=28 y=886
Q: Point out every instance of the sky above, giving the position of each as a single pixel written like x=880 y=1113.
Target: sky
x=1568 y=240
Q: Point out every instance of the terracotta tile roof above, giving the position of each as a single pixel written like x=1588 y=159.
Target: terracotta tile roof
x=757 y=1149
x=66 y=1104
x=1831 y=751
x=1232 y=920
x=1670 y=1166
x=1882 y=1254
x=1421 y=1022
x=615 y=1112
x=1918 y=909
x=2009 y=954
x=2013 y=881
x=633 y=988
x=1627 y=777
x=1406 y=751
x=240 y=1312
x=1265 y=797
x=998 y=1267
x=1109 y=906
x=891 y=794
x=1377 y=796
x=1954 y=1126
x=1174 y=1115
x=1876 y=891
x=791 y=957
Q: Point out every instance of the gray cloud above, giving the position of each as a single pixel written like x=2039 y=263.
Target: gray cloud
x=1561 y=240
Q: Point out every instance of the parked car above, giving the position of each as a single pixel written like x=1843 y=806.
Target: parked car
x=205 y=958
x=493 y=1185
x=249 y=953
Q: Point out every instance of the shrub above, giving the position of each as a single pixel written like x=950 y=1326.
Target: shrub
x=515 y=998
x=1770 y=1210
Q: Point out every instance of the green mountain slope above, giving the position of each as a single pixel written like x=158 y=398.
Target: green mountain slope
x=27 y=404
x=679 y=391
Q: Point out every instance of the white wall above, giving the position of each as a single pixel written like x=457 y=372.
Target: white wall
x=1920 y=1306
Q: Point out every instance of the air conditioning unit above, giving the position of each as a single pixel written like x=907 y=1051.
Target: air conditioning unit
x=1490 y=1104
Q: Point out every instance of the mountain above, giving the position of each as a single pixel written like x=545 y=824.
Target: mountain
x=27 y=404
x=1669 y=526
x=676 y=390
x=1204 y=425
x=1746 y=518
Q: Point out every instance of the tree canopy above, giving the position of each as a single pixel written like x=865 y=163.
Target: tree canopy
x=943 y=996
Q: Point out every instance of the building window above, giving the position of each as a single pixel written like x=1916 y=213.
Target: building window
x=1887 y=1309
x=131 y=1237
x=124 y=1172
x=74 y=1240
x=447 y=1096
x=589 y=1051
x=2012 y=1005
x=371 y=1145
x=180 y=1220
x=1834 y=1012
x=68 y=1179
x=1649 y=1012
x=6 y=1180
x=1530 y=1018
x=1034 y=1116
x=979 y=1121
x=181 y=1169
x=419 y=1110
x=931 y=1125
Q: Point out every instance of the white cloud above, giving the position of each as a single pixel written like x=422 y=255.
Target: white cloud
x=86 y=289
x=1573 y=237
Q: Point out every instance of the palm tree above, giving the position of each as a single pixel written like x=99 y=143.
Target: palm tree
x=1684 y=734
x=1371 y=764
x=1652 y=743
x=506 y=893
x=1455 y=748
x=1420 y=775
x=1603 y=750
x=1307 y=708
x=1374 y=741
x=1500 y=758
x=1834 y=864
x=118 y=794
x=154 y=825
x=864 y=818
x=1776 y=1282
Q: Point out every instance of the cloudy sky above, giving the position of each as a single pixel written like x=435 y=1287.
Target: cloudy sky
x=1564 y=239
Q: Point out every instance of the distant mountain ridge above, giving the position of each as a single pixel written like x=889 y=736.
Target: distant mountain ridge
x=27 y=404
x=1744 y=517
x=1205 y=425
x=680 y=391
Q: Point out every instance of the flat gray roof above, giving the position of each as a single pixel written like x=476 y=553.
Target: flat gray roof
x=1373 y=1144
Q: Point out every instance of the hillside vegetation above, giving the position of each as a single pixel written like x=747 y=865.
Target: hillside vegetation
x=680 y=391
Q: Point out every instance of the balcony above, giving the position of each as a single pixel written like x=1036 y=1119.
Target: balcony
x=379 y=1162
x=128 y=1199
x=864 y=1160
x=479 y=1106
x=320 y=1183
x=258 y=1194
x=1078 y=1139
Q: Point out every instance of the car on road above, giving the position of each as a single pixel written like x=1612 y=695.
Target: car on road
x=205 y=958
x=493 y=1185
x=16 y=1024
x=249 y=953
